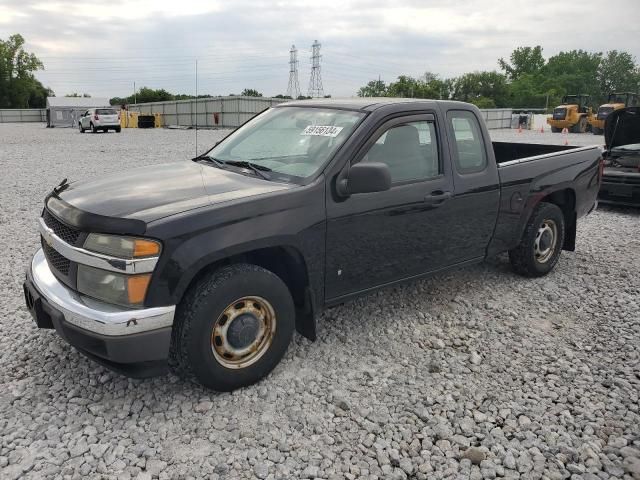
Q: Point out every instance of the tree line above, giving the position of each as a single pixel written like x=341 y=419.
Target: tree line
x=526 y=80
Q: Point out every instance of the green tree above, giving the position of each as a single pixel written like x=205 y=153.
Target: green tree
x=572 y=72
x=250 y=92
x=18 y=86
x=618 y=72
x=524 y=61
x=375 y=88
x=488 y=89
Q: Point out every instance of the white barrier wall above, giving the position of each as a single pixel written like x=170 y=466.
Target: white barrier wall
x=229 y=112
x=208 y=112
x=497 y=117
x=19 y=115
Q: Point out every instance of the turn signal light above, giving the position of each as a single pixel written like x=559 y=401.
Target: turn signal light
x=137 y=288
x=145 y=248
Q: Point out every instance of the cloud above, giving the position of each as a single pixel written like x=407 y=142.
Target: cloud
x=103 y=48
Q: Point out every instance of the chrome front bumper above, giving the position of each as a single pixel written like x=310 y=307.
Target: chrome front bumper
x=93 y=315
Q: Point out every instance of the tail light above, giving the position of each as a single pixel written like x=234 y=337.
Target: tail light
x=96 y=117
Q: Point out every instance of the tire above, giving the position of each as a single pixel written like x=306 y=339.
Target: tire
x=596 y=130
x=93 y=128
x=581 y=126
x=118 y=129
x=203 y=336
x=556 y=129
x=80 y=127
x=546 y=224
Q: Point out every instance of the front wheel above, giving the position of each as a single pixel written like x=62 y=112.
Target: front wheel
x=80 y=127
x=541 y=244
x=556 y=129
x=232 y=328
x=581 y=126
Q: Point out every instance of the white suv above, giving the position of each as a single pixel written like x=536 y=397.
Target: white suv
x=96 y=119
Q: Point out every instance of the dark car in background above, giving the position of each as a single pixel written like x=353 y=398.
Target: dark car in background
x=621 y=179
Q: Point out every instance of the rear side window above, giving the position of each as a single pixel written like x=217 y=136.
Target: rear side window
x=470 y=155
x=106 y=111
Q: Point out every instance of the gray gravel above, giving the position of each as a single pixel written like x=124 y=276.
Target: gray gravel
x=474 y=374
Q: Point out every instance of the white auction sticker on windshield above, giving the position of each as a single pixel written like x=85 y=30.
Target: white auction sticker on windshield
x=322 y=130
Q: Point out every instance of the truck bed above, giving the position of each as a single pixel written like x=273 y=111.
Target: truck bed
x=507 y=151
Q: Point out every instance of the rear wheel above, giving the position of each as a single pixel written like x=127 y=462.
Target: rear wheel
x=556 y=129
x=118 y=129
x=596 y=130
x=541 y=243
x=232 y=328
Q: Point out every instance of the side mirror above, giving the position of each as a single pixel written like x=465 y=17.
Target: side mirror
x=365 y=178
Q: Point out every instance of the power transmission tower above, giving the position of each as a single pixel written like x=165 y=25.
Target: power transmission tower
x=315 y=82
x=293 y=90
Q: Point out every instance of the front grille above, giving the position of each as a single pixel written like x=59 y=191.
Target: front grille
x=65 y=232
x=55 y=260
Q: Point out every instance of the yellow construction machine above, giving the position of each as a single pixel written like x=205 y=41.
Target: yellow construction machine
x=573 y=114
x=616 y=102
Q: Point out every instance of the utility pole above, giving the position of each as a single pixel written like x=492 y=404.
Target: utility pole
x=293 y=90
x=315 y=82
x=134 y=92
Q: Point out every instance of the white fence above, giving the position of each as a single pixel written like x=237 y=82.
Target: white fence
x=497 y=117
x=208 y=112
x=19 y=115
x=234 y=111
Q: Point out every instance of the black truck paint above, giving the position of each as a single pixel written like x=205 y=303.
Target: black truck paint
x=328 y=247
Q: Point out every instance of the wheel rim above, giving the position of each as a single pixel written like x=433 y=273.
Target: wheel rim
x=243 y=332
x=545 y=242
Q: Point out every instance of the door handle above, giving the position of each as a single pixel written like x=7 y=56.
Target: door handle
x=437 y=198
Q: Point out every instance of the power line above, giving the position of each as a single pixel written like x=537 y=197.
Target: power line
x=315 y=82
x=293 y=89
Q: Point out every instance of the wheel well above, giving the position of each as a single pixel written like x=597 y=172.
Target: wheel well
x=566 y=201
x=288 y=264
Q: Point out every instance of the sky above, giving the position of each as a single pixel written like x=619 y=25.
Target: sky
x=102 y=48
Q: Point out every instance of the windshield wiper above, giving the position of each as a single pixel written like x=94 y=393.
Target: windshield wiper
x=207 y=158
x=255 y=167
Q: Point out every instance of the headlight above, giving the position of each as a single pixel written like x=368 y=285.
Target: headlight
x=125 y=290
x=122 y=247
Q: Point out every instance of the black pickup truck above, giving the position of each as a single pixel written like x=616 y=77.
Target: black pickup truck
x=208 y=266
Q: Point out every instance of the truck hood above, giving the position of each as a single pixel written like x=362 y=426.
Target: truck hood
x=157 y=191
x=622 y=127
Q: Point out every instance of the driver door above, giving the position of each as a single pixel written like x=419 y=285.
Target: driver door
x=377 y=238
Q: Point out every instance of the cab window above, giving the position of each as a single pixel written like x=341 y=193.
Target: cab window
x=410 y=151
x=469 y=155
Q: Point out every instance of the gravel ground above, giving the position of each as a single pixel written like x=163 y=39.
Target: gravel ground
x=475 y=374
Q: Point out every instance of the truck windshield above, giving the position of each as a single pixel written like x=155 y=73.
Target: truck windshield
x=293 y=142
